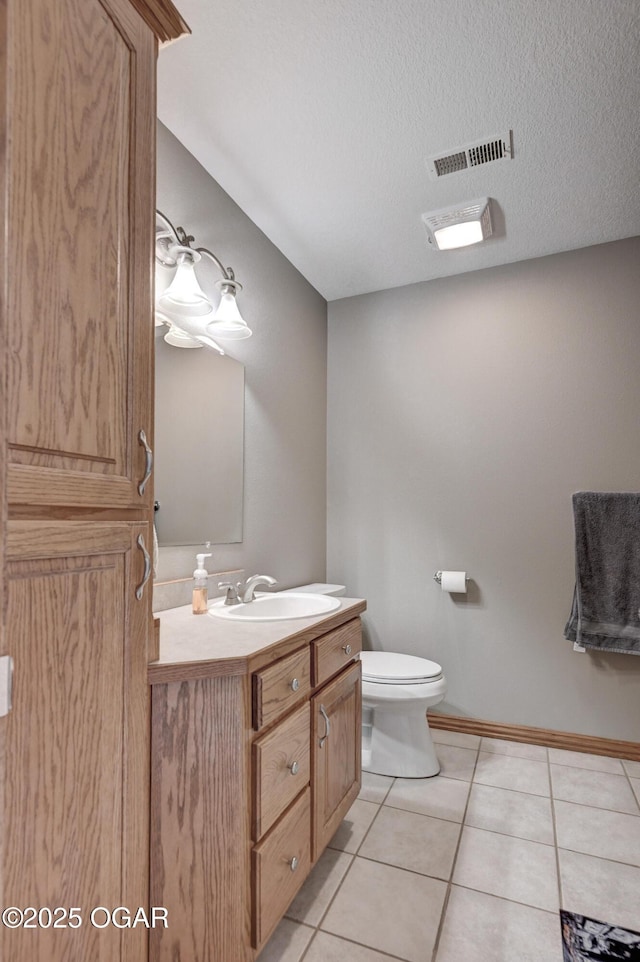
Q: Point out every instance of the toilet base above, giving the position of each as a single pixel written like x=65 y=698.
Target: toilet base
x=397 y=742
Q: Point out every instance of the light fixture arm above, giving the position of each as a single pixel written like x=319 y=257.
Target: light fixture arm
x=227 y=272
x=185 y=240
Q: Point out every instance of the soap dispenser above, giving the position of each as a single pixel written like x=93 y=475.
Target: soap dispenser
x=200 y=583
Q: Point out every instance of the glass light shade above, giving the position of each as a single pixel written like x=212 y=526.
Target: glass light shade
x=177 y=338
x=227 y=322
x=184 y=297
x=458 y=235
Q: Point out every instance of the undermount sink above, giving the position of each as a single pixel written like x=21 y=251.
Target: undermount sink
x=276 y=607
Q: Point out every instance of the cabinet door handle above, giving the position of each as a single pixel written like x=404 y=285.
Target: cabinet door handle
x=147 y=568
x=294 y=685
x=142 y=438
x=327 y=724
x=347 y=649
x=294 y=768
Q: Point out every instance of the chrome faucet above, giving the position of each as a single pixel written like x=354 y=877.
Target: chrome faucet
x=244 y=593
x=247 y=590
x=232 y=592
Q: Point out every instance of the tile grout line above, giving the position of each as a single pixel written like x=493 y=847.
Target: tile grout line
x=505 y=898
x=342 y=880
x=555 y=832
x=635 y=797
x=361 y=945
x=598 y=858
x=445 y=904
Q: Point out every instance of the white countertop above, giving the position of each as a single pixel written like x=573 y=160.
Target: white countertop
x=205 y=646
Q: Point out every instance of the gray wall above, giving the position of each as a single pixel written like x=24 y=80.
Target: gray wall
x=285 y=377
x=463 y=413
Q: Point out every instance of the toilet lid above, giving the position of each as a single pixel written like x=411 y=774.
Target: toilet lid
x=392 y=668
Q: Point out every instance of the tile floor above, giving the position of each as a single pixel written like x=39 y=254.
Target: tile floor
x=473 y=865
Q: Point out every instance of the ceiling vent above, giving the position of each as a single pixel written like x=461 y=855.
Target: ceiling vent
x=473 y=155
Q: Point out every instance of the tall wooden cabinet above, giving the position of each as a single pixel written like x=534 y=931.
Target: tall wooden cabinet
x=78 y=156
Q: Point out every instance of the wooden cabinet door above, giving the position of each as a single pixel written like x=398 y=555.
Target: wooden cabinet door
x=335 y=752
x=76 y=780
x=80 y=202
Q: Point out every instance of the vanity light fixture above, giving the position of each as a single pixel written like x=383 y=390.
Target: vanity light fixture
x=459 y=226
x=183 y=306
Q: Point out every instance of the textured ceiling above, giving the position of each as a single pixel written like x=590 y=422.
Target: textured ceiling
x=318 y=116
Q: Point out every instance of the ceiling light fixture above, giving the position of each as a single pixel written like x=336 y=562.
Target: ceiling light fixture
x=459 y=226
x=183 y=306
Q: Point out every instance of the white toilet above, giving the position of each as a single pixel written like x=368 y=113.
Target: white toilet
x=396 y=692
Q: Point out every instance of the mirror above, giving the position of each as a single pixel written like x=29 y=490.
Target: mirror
x=199 y=446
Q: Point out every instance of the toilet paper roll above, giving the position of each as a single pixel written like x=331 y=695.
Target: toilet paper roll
x=454 y=581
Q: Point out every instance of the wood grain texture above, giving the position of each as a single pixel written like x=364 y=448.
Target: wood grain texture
x=334 y=650
x=200 y=820
x=77 y=369
x=536 y=736
x=44 y=512
x=276 y=877
x=4 y=278
x=80 y=217
x=275 y=784
x=163 y=18
x=76 y=784
x=45 y=539
x=280 y=686
x=159 y=674
x=154 y=646
x=336 y=759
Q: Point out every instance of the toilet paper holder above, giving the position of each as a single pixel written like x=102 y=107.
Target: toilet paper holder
x=438 y=578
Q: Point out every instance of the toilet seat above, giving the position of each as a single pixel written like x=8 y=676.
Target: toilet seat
x=393 y=668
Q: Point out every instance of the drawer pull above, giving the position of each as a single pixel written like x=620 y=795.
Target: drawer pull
x=294 y=768
x=327 y=726
x=347 y=649
x=295 y=684
x=293 y=863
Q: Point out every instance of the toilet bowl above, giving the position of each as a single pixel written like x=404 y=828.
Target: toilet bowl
x=396 y=692
x=397 y=689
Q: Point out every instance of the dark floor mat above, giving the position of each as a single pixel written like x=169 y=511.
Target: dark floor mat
x=588 y=940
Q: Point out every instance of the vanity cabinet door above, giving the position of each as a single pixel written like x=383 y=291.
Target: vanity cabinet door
x=336 y=753
x=76 y=739
x=79 y=341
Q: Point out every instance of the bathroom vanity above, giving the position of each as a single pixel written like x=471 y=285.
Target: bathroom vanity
x=256 y=740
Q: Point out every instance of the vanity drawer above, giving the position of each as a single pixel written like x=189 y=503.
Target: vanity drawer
x=281 y=767
x=279 y=687
x=334 y=650
x=280 y=863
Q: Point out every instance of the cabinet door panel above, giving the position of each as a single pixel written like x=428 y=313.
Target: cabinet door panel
x=77 y=769
x=80 y=219
x=336 y=753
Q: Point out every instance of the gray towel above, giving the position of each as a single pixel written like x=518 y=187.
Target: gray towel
x=605 y=612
